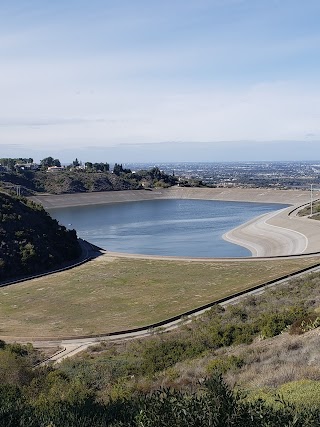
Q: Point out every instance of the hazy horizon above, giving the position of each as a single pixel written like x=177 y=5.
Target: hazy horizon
x=178 y=152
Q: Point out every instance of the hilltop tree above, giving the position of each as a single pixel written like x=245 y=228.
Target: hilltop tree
x=118 y=169
x=103 y=167
x=50 y=161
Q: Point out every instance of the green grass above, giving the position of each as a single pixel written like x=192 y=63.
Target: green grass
x=300 y=393
x=111 y=294
x=307 y=210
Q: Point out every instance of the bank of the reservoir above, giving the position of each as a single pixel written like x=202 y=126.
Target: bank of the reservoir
x=292 y=197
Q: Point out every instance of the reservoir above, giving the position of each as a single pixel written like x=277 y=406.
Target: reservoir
x=192 y=228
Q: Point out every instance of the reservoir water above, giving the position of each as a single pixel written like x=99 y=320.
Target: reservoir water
x=163 y=227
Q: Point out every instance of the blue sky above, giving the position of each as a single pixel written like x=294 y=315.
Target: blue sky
x=179 y=80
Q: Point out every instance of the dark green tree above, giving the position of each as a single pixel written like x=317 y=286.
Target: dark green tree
x=50 y=161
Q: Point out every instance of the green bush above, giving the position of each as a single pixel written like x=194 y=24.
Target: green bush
x=303 y=392
x=224 y=364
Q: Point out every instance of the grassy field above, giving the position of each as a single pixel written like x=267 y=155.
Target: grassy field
x=109 y=293
x=315 y=211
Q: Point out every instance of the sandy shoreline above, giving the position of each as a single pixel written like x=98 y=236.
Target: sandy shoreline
x=274 y=234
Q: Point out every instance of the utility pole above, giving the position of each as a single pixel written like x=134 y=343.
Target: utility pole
x=311 y=185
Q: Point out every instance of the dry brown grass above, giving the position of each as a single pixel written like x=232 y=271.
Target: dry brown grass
x=307 y=210
x=279 y=360
x=267 y=364
x=111 y=293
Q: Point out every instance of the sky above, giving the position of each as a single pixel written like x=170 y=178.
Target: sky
x=169 y=80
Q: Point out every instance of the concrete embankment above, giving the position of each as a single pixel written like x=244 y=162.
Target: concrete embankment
x=292 y=197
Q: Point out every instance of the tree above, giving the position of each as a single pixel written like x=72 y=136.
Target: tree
x=50 y=161
x=155 y=173
x=14 y=369
x=106 y=167
x=103 y=167
x=56 y=162
x=8 y=162
x=118 y=169
x=47 y=162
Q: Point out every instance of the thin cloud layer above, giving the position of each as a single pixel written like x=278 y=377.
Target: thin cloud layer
x=108 y=74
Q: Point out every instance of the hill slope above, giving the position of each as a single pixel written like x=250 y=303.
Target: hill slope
x=30 y=240
x=79 y=181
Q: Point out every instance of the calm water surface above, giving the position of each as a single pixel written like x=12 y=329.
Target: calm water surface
x=163 y=227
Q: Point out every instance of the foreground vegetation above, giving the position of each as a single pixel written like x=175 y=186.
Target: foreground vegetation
x=30 y=240
x=225 y=338
x=111 y=294
x=212 y=405
x=197 y=376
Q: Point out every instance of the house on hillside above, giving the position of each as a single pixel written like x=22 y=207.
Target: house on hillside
x=55 y=169
x=26 y=166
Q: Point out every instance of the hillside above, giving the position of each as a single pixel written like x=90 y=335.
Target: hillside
x=253 y=364
x=31 y=241
x=82 y=180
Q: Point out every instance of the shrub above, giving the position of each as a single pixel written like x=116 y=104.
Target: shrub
x=305 y=324
x=225 y=364
x=303 y=392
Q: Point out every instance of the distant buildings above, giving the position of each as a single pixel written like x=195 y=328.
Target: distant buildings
x=26 y=166
x=55 y=169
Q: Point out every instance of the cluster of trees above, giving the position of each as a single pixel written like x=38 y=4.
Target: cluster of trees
x=97 y=167
x=118 y=169
x=11 y=162
x=30 y=240
x=89 y=166
x=156 y=177
x=49 y=162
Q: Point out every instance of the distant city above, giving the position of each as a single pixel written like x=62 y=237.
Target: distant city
x=281 y=175
x=265 y=174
